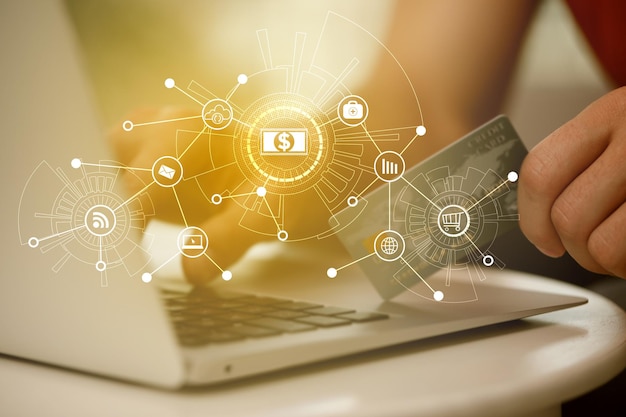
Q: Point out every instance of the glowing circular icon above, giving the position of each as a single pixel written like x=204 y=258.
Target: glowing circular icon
x=389 y=166
x=283 y=142
x=167 y=171
x=192 y=242
x=100 y=220
x=352 y=110
x=389 y=245
x=217 y=114
x=453 y=220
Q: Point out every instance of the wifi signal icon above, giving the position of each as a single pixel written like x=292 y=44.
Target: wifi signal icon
x=100 y=220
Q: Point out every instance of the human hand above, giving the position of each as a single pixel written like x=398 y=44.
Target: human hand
x=140 y=147
x=572 y=188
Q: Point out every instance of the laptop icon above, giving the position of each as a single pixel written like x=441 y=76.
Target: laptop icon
x=192 y=242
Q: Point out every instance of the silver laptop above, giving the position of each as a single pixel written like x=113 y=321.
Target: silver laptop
x=275 y=313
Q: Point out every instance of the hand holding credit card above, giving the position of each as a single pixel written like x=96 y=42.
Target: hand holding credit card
x=442 y=214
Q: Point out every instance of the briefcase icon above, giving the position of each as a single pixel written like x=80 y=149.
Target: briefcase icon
x=352 y=110
x=167 y=172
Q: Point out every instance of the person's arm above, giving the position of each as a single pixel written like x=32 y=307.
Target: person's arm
x=572 y=188
x=460 y=56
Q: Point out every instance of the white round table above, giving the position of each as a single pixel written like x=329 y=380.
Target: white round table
x=520 y=368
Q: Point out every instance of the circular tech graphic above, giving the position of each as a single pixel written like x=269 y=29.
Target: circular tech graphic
x=192 y=242
x=217 y=114
x=80 y=216
x=100 y=220
x=453 y=220
x=294 y=128
x=284 y=142
x=389 y=245
x=447 y=222
x=352 y=110
x=389 y=166
x=167 y=171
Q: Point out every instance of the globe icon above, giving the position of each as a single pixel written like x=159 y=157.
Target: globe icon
x=389 y=245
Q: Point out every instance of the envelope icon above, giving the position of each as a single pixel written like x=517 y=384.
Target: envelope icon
x=167 y=172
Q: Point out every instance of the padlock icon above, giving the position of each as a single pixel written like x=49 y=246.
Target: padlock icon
x=352 y=110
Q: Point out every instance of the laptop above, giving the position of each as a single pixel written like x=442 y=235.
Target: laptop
x=280 y=309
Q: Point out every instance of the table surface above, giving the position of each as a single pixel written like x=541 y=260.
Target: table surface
x=524 y=367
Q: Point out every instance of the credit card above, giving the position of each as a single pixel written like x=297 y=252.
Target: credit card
x=442 y=214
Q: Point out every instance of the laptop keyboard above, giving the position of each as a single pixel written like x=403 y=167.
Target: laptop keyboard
x=204 y=316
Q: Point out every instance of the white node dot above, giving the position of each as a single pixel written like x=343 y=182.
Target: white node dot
x=353 y=201
x=261 y=191
x=420 y=130
x=488 y=260
x=33 y=242
x=227 y=275
x=76 y=163
x=331 y=272
x=512 y=176
x=438 y=296
x=216 y=199
x=170 y=83
x=242 y=78
x=127 y=125
x=146 y=277
x=101 y=266
x=282 y=235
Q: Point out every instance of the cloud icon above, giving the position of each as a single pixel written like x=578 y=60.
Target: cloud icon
x=218 y=116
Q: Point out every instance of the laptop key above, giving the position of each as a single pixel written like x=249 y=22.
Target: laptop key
x=210 y=337
x=363 y=317
x=251 y=331
x=282 y=325
x=299 y=305
x=286 y=314
x=256 y=309
x=324 y=321
x=268 y=301
x=234 y=316
x=329 y=311
x=205 y=322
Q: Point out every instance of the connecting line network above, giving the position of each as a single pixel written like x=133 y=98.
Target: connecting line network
x=292 y=151
x=453 y=221
x=217 y=114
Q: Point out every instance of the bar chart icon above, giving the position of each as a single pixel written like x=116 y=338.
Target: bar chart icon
x=389 y=167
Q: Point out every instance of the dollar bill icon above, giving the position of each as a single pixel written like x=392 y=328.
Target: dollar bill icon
x=284 y=142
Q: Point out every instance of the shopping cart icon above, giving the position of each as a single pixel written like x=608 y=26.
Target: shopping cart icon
x=449 y=220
